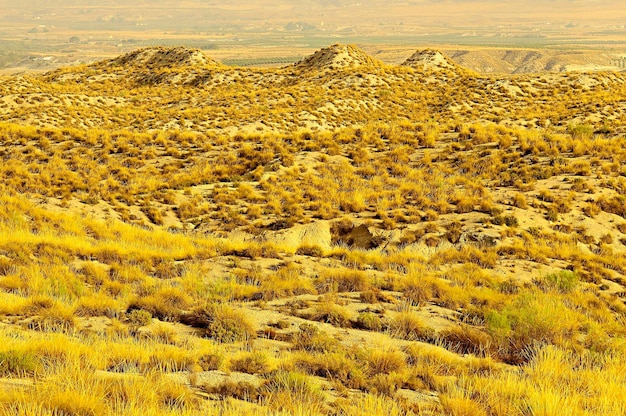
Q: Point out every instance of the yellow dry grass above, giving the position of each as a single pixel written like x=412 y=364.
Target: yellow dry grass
x=439 y=265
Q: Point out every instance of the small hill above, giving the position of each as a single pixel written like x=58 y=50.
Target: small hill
x=338 y=57
x=161 y=57
x=147 y=66
x=431 y=60
x=530 y=61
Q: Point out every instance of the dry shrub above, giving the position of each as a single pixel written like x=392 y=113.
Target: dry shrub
x=564 y=281
x=97 y=305
x=407 y=325
x=461 y=406
x=370 y=321
x=342 y=365
x=385 y=361
x=310 y=338
x=169 y=360
x=375 y=295
x=241 y=390
x=419 y=290
x=176 y=397
x=349 y=280
x=138 y=317
x=163 y=333
x=310 y=250
x=73 y=402
x=466 y=340
x=289 y=280
x=221 y=323
x=55 y=319
x=7 y=266
x=294 y=393
x=209 y=362
x=251 y=363
x=331 y=313
x=165 y=305
x=372 y=404
x=519 y=201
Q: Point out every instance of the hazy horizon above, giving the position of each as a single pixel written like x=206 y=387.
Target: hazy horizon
x=75 y=31
x=470 y=13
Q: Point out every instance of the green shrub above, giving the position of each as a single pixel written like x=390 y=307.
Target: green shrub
x=369 y=321
x=580 y=131
x=564 y=281
x=17 y=363
x=531 y=320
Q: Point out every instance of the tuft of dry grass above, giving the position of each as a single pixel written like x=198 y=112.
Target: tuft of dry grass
x=222 y=323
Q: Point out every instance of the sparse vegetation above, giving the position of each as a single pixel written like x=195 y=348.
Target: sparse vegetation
x=152 y=258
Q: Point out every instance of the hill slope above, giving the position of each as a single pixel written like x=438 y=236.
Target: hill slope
x=348 y=238
x=310 y=95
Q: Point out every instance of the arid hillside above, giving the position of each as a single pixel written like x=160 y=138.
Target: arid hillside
x=339 y=86
x=339 y=236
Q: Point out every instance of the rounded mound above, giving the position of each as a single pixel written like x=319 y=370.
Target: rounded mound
x=338 y=57
x=431 y=60
x=161 y=57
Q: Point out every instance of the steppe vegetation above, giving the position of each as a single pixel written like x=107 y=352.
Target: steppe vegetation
x=337 y=237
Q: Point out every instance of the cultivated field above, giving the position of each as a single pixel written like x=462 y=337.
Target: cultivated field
x=486 y=36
